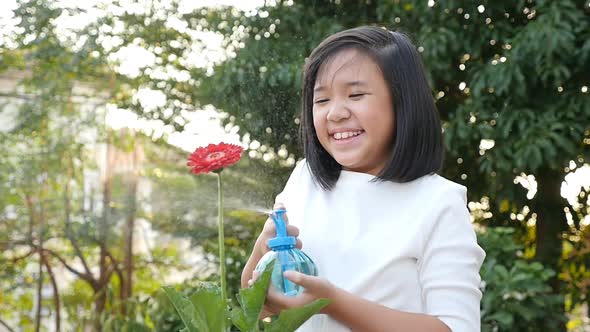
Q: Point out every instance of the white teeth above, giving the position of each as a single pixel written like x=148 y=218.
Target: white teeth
x=346 y=134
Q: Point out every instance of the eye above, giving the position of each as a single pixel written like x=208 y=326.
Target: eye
x=357 y=96
x=321 y=101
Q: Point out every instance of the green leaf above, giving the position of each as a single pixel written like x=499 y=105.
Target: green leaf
x=239 y=319
x=209 y=304
x=252 y=300
x=191 y=318
x=291 y=319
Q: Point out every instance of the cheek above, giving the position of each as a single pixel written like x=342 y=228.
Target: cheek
x=383 y=125
x=318 y=125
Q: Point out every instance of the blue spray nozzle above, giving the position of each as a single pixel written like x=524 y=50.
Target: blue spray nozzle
x=282 y=240
x=278 y=217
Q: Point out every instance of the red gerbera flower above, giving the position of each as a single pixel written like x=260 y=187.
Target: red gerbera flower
x=214 y=157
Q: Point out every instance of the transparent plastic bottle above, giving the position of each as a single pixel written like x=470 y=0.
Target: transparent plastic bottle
x=287 y=258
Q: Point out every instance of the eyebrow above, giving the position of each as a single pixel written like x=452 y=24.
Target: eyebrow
x=351 y=83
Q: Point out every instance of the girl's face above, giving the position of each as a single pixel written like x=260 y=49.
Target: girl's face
x=353 y=112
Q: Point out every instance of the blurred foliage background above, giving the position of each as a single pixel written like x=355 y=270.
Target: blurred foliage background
x=101 y=100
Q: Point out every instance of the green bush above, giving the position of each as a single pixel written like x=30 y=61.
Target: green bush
x=516 y=292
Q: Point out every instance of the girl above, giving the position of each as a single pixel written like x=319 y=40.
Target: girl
x=392 y=240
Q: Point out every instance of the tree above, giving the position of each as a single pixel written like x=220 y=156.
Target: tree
x=45 y=165
x=59 y=220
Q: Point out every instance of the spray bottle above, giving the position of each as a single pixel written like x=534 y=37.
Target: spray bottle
x=286 y=257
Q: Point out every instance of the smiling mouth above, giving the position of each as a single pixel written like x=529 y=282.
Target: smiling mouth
x=341 y=136
x=346 y=138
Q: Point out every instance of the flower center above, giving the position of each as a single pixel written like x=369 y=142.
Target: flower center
x=215 y=156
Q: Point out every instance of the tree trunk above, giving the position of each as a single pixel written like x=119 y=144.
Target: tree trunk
x=100 y=287
x=31 y=225
x=551 y=223
x=56 y=299
x=41 y=258
x=39 y=292
x=99 y=305
x=31 y=242
x=129 y=229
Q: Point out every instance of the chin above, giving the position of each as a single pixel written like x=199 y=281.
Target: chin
x=347 y=163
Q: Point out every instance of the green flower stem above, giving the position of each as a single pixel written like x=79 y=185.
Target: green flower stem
x=221 y=243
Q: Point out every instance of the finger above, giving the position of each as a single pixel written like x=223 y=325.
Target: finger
x=296 y=277
x=292 y=230
x=279 y=205
x=269 y=226
x=253 y=278
x=299 y=244
x=308 y=282
x=270 y=229
x=267 y=312
x=315 y=285
x=286 y=218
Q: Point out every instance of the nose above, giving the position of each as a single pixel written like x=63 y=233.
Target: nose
x=339 y=111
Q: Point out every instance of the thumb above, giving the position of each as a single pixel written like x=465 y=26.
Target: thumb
x=318 y=286
x=301 y=279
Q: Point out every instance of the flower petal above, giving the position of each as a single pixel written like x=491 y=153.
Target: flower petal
x=213 y=157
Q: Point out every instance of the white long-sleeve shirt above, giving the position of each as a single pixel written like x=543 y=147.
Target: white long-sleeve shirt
x=408 y=246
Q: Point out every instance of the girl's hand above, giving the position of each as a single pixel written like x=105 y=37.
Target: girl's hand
x=269 y=231
x=261 y=246
x=315 y=288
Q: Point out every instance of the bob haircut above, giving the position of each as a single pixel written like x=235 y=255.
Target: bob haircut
x=417 y=148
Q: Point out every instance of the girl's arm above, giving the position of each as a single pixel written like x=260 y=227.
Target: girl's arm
x=355 y=312
x=363 y=315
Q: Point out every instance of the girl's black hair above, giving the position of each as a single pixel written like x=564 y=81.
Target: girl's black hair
x=417 y=148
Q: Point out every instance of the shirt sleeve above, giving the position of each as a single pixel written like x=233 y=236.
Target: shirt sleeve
x=449 y=267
